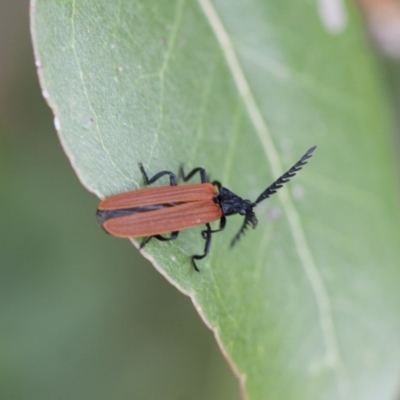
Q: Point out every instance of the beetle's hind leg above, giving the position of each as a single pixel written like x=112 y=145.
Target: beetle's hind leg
x=173 y=236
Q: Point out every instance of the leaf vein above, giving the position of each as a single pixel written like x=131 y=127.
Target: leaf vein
x=332 y=358
x=164 y=67
x=86 y=92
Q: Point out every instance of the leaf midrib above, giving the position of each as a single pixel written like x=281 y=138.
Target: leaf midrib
x=332 y=357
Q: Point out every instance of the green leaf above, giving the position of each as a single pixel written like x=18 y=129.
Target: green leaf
x=306 y=306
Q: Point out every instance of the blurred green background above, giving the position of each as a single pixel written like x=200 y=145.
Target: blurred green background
x=82 y=314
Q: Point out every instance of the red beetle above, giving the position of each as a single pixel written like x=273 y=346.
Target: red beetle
x=151 y=212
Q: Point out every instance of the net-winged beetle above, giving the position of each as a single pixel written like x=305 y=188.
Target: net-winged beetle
x=151 y=212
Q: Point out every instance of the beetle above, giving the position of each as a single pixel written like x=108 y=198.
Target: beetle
x=153 y=211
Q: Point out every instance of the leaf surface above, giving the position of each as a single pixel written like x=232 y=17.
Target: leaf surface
x=307 y=305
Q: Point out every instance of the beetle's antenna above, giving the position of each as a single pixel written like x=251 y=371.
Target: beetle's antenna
x=249 y=219
x=285 y=177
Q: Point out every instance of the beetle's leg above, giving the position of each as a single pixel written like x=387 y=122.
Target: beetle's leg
x=147 y=240
x=172 y=176
x=206 y=234
x=173 y=236
x=217 y=184
x=201 y=171
x=222 y=223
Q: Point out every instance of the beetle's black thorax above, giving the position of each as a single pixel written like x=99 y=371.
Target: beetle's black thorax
x=231 y=203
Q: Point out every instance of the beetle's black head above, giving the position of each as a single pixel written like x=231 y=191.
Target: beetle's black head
x=232 y=204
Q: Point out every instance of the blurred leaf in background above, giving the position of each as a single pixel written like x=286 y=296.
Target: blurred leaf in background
x=83 y=315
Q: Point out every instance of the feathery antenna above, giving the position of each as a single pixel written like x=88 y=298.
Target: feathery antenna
x=285 y=177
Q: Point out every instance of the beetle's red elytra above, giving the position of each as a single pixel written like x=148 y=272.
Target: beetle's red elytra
x=152 y=212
